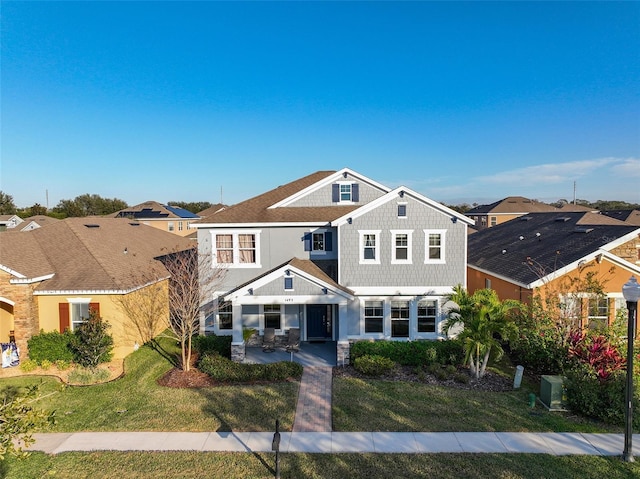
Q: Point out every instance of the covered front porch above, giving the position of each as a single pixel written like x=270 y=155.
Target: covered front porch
x=309 y=354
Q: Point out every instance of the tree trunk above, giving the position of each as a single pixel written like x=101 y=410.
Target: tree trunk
x=485 y=361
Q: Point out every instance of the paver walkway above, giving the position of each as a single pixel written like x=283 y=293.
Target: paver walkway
x=313 y=411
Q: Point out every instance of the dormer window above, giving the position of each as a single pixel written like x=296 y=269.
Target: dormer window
x=345 y=192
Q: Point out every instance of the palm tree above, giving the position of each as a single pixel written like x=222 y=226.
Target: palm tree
x=486 y=322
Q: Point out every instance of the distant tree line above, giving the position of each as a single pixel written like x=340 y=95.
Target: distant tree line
x=95 y=205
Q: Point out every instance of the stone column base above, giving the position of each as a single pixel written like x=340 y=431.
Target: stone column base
x=343 y=351
x=237 y=352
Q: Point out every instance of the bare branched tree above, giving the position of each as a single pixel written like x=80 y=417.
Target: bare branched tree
x=193 y=278
x=147 y=308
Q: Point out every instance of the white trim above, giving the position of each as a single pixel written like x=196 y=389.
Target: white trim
x=393 y=195
x=409 y=234
x=443 y=244
x=31 y=280
x=377 y=239
x=333 y=178
x=402 y=291
x=235 y=245
x=7 y=300
x=216 y=226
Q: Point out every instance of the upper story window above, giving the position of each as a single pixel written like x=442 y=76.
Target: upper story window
x=401 y=246
x=435 y=246
x=319 y=241
x=370 y=247
x=402 y=210
x=494 y=220
x=179 y=225
x=236 y=249
x=345 y=192
x=170 y=226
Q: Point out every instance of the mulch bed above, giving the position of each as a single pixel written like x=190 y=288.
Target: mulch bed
x=176 y=378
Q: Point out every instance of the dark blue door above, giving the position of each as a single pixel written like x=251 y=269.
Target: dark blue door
x=318 y=322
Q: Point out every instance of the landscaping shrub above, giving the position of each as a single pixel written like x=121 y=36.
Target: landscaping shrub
x=373 y=365
x=45 y=364
x=212 y=344
x=412 y=353
x=88 y=376
x=51 y=346
x=28 y=365
x=226 y=371
x=92 y=343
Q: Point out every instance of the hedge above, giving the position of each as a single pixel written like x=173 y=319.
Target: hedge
x=412 y=353
x=226 y=371
x=53 y=346
x=212 y=344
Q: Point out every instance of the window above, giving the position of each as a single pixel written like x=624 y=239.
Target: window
x=272 y=316
x=402 y=211
x=369 y=247
x=427 y=310
x=401 y=246
x=345 y=192
x=434 y=240
x=225 y=316
x=318 y=242
x=494 y=221
x=400 y=319
x=598 y=312
x=373 y=317
x=487 y=283
x=483 y=220
x=170 y=226
x=179 y=225
x=79 y=314
x=236 y=250
x=288 y=284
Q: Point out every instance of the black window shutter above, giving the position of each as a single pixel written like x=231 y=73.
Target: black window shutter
x=307 y=241
x=328 y=241
x=335 y=193
x=355 y=192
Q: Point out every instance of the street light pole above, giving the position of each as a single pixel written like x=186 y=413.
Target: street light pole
x=631 y=293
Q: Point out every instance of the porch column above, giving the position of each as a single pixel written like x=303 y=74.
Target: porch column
x=237 y=343
x=343 y=348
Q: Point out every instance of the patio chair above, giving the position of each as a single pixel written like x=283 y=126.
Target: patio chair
x=269 y=340
x=293 y=341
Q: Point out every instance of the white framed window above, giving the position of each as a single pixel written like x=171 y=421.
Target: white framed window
x=427 y=313
x=236 y=249
x=170 y=226
x=272 y=316
x=434 y=246
x=370 y=247
x=399 y=319
x=494 y=220
x=401 y=246
x=373 y=317
x=179 y=225
x=225 y=315
x=346 y=192
x=78 y=312
x=598 y=312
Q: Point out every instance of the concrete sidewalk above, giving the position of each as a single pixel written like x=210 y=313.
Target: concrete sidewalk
x=337 y=442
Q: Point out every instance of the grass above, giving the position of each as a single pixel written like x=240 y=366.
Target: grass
x=137 y=402
x=195 y=465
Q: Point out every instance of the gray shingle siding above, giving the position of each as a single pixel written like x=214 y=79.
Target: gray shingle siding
x=323 y=196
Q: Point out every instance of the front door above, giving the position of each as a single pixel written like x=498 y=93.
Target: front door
x=319 y=327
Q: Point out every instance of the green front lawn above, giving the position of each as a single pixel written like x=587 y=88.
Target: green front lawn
x=197 y=465
x=137 y=402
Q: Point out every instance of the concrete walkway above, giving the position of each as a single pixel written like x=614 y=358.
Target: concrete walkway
x=336 y=442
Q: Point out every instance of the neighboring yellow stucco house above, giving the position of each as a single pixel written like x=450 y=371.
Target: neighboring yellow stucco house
x=51 y=277
x=163 y=217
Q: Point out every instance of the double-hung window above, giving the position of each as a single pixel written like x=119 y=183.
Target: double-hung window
x=272 y=317
x=345 y=192
x=236 y=249
x=401 y=246
x=434 y=246
x=399 y=319
x=79 y=312
x=370 y=247
x=373 y=317
x=427 y=311
x=598 y=312
x=225 y=315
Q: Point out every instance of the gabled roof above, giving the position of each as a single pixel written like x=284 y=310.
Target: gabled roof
x=152 y=210
x=530 y=248
x=212 y=210
x=628 y=216
x=92 y=254
x=258 y=209
x=37 y=221
x=302 y=267
x=394 y=194
x=511 y=205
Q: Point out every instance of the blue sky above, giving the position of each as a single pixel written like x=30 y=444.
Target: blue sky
x=462 y=102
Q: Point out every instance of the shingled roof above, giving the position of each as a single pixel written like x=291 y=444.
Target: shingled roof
x=628 y=216
x=511 y=204
x=256 y=209
x=93 y=254
x=533 y=246
x=151 y=210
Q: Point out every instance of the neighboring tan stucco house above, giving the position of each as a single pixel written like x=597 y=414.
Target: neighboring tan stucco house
x=164 y=217
x=337 y=255
x=51 y=277
x=486 y=216
x=551 y=253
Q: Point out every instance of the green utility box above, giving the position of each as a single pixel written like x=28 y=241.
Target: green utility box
x=552 y=393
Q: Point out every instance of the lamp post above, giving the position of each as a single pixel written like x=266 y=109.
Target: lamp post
x=631 y=293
